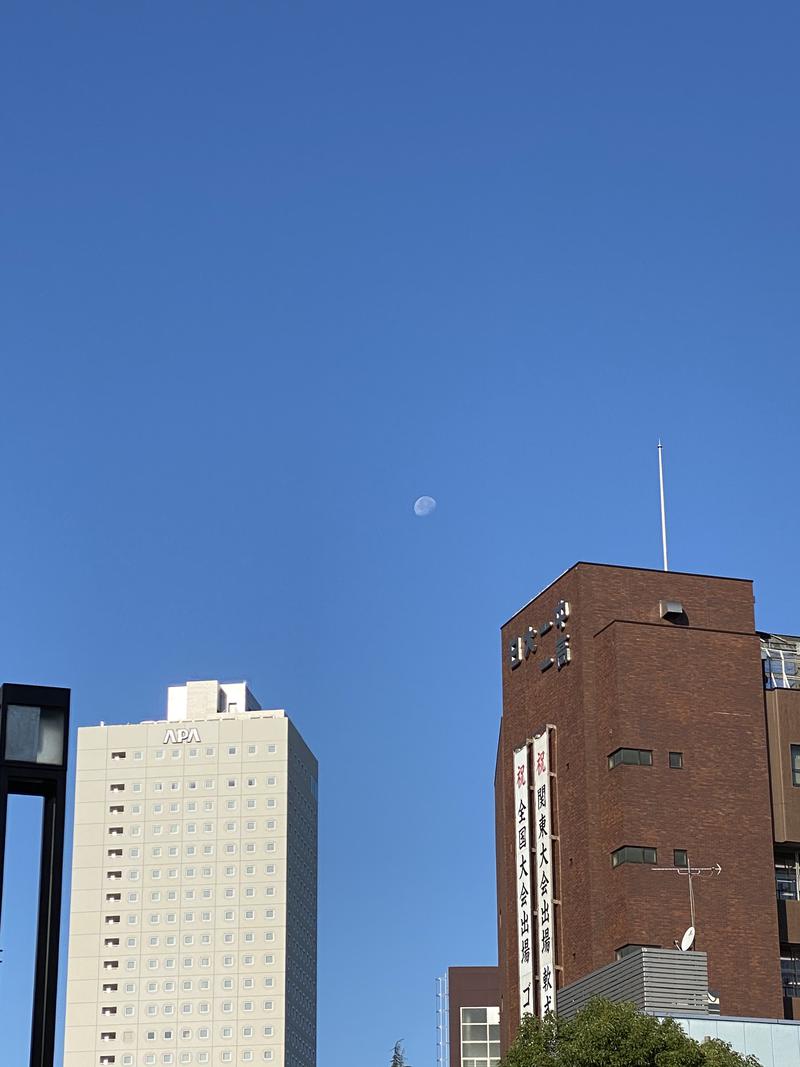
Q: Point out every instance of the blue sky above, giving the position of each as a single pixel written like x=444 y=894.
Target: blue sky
x=270 y=271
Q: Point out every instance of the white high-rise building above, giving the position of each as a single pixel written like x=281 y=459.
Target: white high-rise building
x=193 y=918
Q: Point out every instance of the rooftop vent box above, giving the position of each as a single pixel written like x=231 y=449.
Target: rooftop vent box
x=672 y=611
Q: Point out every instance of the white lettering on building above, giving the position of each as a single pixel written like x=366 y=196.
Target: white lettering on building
x=177 y=737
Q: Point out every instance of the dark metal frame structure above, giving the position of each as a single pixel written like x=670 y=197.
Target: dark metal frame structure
x=48 y=781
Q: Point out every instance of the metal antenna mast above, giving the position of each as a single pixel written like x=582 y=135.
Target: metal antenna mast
x=689 y=871
x=442 y=1021
x=663 y=510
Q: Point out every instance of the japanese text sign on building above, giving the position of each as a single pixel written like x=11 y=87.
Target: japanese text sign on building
x=542 y=850
x=521 y=647
x=526 y=939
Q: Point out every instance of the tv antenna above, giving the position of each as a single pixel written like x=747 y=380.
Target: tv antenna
x=663 y=510
x=691 y=872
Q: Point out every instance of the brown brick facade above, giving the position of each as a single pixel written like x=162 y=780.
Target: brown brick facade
x=638 y=681
x=468 y=987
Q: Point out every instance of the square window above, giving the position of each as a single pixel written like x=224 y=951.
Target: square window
x=680 y=857
x=676 y=762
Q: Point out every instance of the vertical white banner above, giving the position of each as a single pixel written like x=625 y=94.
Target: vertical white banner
x=542 y=853
x=525 y=929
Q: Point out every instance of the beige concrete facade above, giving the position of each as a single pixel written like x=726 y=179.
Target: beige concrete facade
x=193 y=909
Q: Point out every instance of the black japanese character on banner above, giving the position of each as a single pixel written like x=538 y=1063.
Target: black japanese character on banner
x=524 y=924
x=526 y=951
x=544 y=913
x=523 y=896
x=546 y=939
x=522 y=837
x=541 y=797
x=523 y=870
x=522 y=811
x=543 y=854
x=526 y=993
x=548 y=1004
x=547 y=978
x=543 y=825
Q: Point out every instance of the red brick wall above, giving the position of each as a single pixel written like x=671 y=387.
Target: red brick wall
x=636 y=681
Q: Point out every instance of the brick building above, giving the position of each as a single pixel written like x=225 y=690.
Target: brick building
x=672 y=729
x=473 y=1017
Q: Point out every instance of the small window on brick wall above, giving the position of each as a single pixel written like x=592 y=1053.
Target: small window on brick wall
x=642 y=757
x=676 y=760
x=633 y=854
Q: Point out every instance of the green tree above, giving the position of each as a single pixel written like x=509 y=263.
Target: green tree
x=399 y=1056
x=606 y=1034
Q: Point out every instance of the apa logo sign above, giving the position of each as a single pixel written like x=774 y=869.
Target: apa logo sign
x=175 y=737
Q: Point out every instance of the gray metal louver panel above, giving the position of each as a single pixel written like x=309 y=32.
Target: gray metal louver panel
x=653 y=979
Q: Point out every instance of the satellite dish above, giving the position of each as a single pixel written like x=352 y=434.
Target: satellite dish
x=688 y=939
